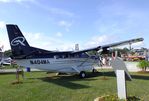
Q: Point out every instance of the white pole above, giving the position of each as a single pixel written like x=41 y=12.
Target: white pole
x=121 y=84
x=116 y=53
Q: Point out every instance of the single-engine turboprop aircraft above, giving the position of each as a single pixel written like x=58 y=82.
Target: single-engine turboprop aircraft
x=65 y=61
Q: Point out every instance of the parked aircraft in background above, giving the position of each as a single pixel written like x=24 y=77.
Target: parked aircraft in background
x=6 y=61
x=65 y=61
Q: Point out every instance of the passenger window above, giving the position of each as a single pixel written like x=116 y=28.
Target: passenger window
x=56 y=57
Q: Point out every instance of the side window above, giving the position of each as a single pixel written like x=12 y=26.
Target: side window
x=63 y=56
x=56 y=56
x=76 y=56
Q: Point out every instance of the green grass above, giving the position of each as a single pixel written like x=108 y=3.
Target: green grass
x=39 y=86
x=8 y=66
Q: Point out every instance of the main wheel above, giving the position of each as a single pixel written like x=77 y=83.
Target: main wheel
x=82 y=74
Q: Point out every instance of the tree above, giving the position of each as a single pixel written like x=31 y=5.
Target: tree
x=125 y=50
x=143 y=64
x=120 y=51
x=92 y=52
x=7 y=53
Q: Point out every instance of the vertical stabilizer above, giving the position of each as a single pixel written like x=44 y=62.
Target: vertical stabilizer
x=18 y=43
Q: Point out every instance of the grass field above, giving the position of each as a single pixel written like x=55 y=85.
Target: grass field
x=39 y=86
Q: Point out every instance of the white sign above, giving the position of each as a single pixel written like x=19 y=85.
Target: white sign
x=121 y=84
x=121 y=71
x=118 y=64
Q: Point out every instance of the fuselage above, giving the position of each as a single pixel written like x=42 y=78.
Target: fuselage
x=59 y=64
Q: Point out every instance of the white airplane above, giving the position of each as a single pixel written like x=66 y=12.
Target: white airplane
x=6 y=61
x=65 y=61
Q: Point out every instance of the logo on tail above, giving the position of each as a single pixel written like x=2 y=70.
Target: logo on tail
x=18 y=40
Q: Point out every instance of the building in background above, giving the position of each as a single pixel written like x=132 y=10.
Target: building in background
x=4 y=60
x=138 y=54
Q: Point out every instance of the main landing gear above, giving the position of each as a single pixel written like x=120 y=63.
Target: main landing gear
x=82 y=74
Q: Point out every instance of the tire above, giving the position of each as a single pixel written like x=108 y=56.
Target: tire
x=82 y=74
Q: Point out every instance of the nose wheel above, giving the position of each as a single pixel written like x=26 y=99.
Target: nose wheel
x=82 y=74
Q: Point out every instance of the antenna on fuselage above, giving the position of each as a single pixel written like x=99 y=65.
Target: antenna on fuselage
x=76 y=47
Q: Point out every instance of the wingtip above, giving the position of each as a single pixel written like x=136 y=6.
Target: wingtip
x=140 y=39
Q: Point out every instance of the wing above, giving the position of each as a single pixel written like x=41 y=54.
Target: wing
x=111 y=45
x=123 y=43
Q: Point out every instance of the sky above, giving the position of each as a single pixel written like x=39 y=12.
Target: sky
x=60 y=24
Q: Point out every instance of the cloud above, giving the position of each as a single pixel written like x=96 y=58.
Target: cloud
x=52 y=43
x=5 y=1
x=4 y=41
x=106 y=39
x=138 y=44
x=2 y=25
x=121 y=17
x=59 y=34
x=3 y=37
x=53 y=10
x=41 y=40
x=134 y=45
x=99 y=40
x=17 y=1
x=124 y=19
x=65 y=24
x=60 y=12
